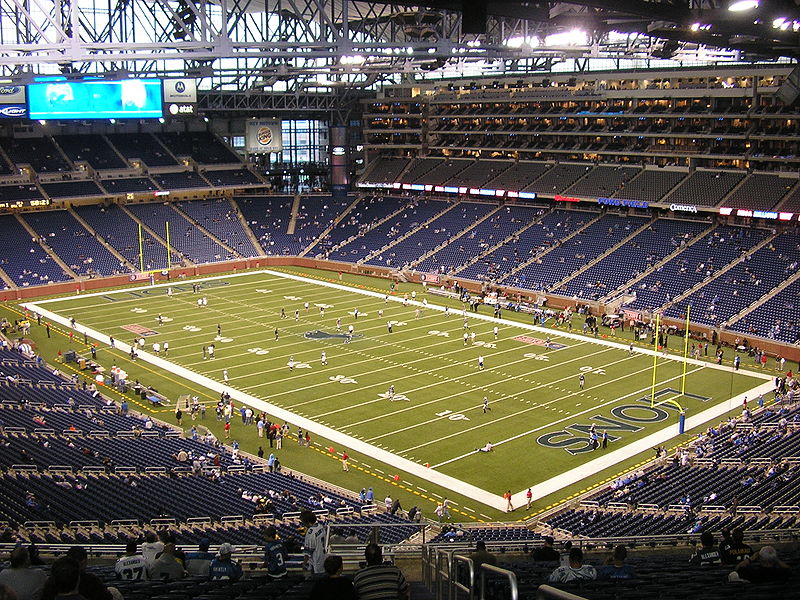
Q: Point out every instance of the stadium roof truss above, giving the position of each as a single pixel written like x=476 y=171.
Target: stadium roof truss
x=316 y=45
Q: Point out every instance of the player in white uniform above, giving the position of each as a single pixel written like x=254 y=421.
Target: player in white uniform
x=390 y=393
x=486 y=404
x=323 y=358
x=480 y=362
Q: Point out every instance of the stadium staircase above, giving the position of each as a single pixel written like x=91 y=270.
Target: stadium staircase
x=6 y=279
x=487 y=252
x=247 y=230
x=763 y=300
x=184 y=260
x=372 y=226
x=118 y=153
x=205 y=231
x=611 y=250
x=61 y=153
x=45 y=247
x=631 y=282
x=546 y=251
x=722 y=271
x=100 y=239
x=409 y=233
x=293 y=218
x=9 y=163
x=455 y=237
x=330 y=227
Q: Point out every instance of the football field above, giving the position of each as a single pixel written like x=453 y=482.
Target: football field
x=270 y=329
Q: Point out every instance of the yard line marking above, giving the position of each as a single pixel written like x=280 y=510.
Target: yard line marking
x=553 y=423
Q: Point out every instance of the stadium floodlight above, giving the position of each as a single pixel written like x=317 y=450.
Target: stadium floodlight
x=742 y=5
x=515 y=42
x=574 y=37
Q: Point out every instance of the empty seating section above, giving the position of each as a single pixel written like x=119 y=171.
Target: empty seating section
x=437 y=232
x=650 y=185
x=479 y=173
x=203 y=146
x=705 y=188
x=792 y=201
x=487 y=234
x=385 y=170
x=119 y=230
x=487 y=534
x=697 y=262
x=419 y=168
x=25 y=262
x=577 y=251
x=142 y=146
x=725 y=296
x=363 y=216
x=602 y=181
x=61 y=420
x=552 y=228
x=269 y=218
x=518 y=176
x=184 y=235
x=315 y=214
x=632 y=258
x=444 y=171
x=231 y=177
x=17 y=192
x=557 y=179
x=182 y=180
x=39 y=153
x=74 y=244
x=93 y=149
x=415 y=213
x=760 y=191
x=777 y=318
x=126 y=185
x=221 y=219
x=72 y=189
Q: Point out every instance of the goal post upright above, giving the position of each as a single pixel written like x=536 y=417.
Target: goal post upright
x=655 y=360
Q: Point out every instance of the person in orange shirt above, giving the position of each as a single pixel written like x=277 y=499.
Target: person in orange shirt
x=507 y=496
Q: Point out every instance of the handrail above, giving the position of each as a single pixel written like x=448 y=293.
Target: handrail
x=512 y=580
x=456 y=585
x=548 y=592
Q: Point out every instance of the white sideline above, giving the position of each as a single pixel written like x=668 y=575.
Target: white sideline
x=446 y=481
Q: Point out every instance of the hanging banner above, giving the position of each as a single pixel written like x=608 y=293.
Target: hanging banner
x=263 y=136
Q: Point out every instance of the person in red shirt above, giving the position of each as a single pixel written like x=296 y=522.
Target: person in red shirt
x=344 y=461
x=507 y=497
x=529 y=496
x=227 y=430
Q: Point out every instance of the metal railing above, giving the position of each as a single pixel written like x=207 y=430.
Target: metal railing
x=547 y=592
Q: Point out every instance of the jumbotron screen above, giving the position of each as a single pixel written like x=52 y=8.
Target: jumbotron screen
x=95 y=99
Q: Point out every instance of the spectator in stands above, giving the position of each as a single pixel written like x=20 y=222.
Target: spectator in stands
x=707 y=554
x=379 y=579
x=223 y=567
x=151 y=547
x=90 y=586
x=131 y=566
x=24 y=582
x=275 y=553
x=333 y=585
x=762 y=567
x=615 y=567
x=198 y=563
x=167 y=567
x=732 y=549
x=574 y=571
x=546 y=552
x=65 y=576
x=314 y=543
x=482 y=556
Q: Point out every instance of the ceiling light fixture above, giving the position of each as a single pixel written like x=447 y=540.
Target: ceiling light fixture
x=742 y=5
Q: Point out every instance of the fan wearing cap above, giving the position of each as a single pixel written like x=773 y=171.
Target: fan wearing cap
x=198 y=563
x=223 y=567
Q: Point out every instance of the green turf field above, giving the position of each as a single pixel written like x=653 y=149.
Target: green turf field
x=538 y=418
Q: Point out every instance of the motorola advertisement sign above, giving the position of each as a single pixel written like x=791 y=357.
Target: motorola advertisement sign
x=180 y=98
x=13 y=104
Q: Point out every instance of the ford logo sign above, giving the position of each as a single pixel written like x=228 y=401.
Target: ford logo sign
x=13 y=111
x=180 y=87
x=8 y=90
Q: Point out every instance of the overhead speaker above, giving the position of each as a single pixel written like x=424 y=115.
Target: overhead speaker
x=790 y=89
x=473 y=16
